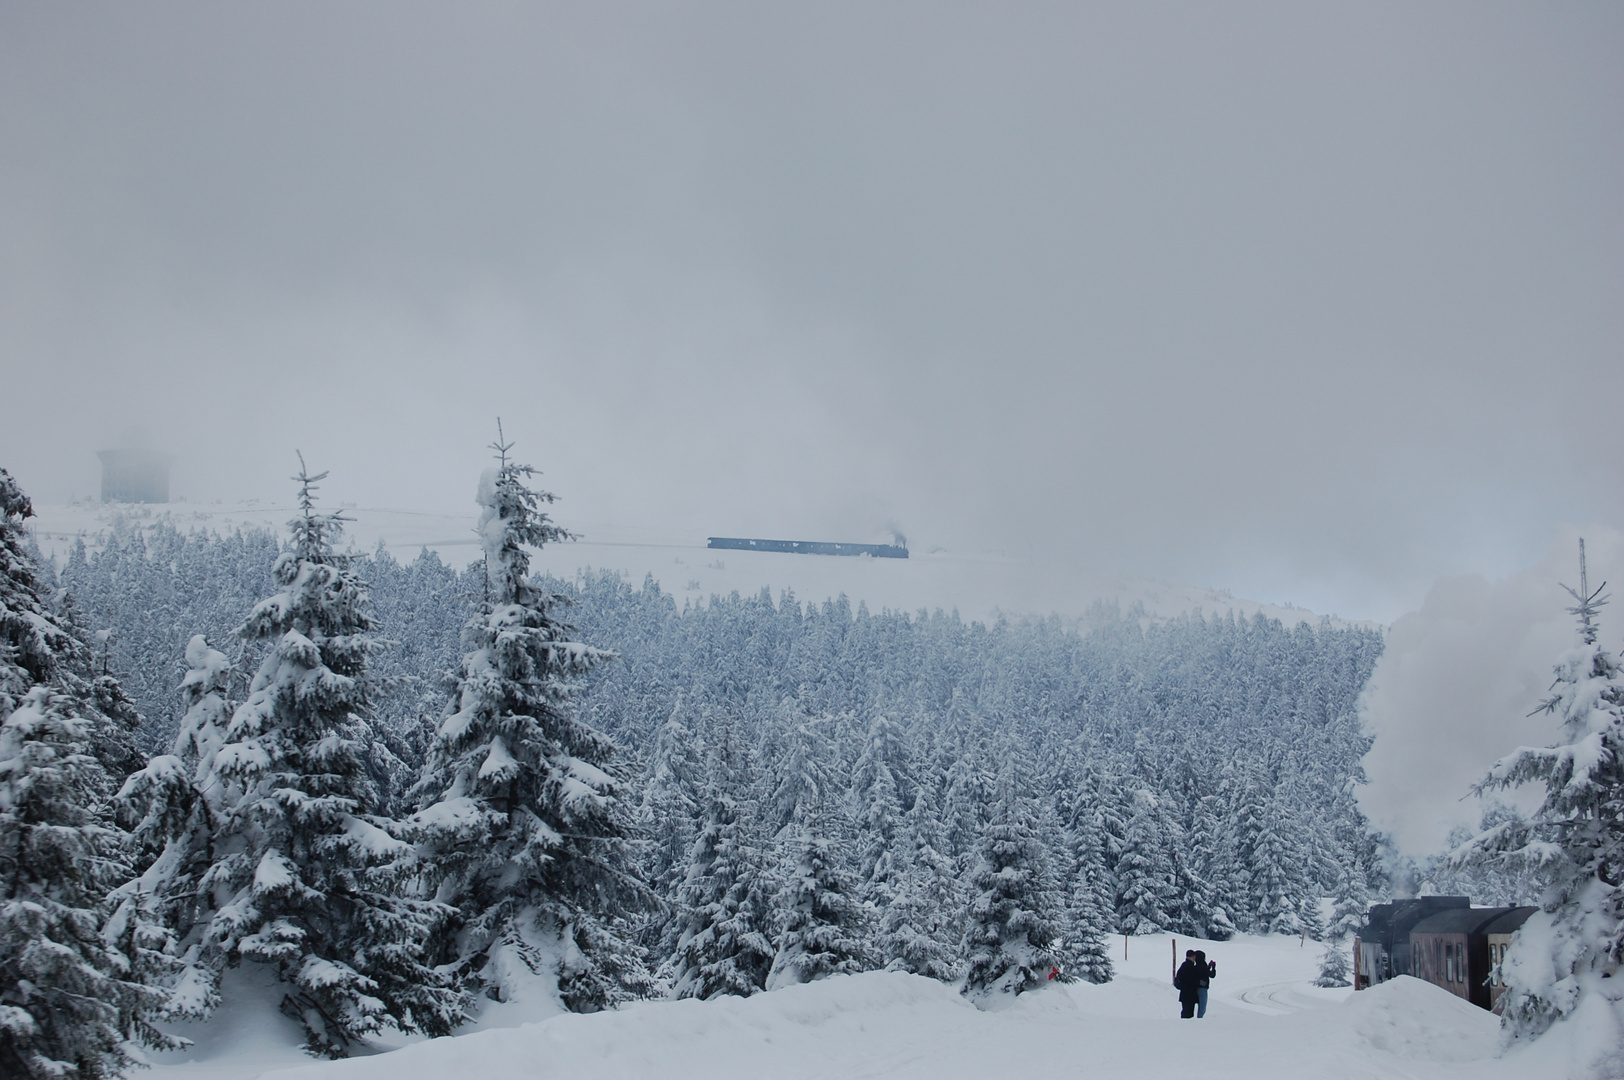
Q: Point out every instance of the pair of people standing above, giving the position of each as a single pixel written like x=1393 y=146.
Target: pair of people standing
x=1192 y=980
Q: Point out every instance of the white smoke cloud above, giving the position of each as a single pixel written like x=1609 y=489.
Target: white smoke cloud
x=1452 y=692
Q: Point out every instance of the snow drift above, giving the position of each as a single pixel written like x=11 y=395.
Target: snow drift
x=896 y=1025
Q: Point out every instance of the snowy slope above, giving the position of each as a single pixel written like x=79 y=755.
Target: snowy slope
x=1266 y=1021
x=977 y=585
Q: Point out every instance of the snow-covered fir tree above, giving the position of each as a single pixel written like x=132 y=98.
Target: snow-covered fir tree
x=1202 y=873
x=521 y=816
x=1247 y=798
x=670 y=812
x=920 y=928
x=822 y=928
x=306 y=876
x=1567 y=956
x=1011 y=932
x=1352 y=906
x=801 y=773
x=1494 y=883
x=1282 y=900
x=725 y=944
x=885 y=753
x=1144 y=870
x=967 y=795
x=172 y=808
x=1086 y=896
x=69 y=1005
x=1347 y=915
x=823 y=922
x=1336 y=965
x=879 y=821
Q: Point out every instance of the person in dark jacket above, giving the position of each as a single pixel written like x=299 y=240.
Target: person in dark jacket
x=1188 y=983
x=1205 y=971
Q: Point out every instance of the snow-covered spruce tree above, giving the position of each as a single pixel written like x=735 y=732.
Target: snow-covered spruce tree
x=1281 y=896
x=724 y=946
x=966 y=798
x=1566 y=958
x=1144 y=870
x=1244 y=823
x=520 y=814
x=801 y=776
x=1086 y=900
x=670 y=812
x=172 y=809
x=1348 y=914
x=1202 y=876
x=1352 y=905
x=879 y=819
x=919 y=929
x=1011 y=931
x=306 y=876
x=1499 y=884
x=823 y=923
x=68 y=1003
x=1335 y=965
x=884 y=753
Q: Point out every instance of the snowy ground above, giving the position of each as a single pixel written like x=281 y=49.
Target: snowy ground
x=1266 y=1020
x=976 y=584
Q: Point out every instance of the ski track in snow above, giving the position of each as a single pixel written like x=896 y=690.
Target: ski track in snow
x=1265 y=1020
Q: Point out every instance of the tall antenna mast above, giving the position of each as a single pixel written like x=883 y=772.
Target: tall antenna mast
x=1589 y=601
x=1584 y=578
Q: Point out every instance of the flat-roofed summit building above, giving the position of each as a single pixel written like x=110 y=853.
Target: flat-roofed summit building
x=135 y=474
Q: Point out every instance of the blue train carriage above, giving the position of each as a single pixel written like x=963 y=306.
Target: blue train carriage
x=807 y=547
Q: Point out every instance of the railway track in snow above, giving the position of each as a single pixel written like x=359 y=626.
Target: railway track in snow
x=1277 y=999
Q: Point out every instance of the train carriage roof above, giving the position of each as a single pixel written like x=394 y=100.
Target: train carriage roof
x=1510 y=922
x=1462 y=920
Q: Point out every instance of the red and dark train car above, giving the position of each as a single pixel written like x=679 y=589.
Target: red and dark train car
x=1441 y=939
x=1451 y=950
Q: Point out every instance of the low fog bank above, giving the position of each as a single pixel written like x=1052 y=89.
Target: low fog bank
x=1453 y=690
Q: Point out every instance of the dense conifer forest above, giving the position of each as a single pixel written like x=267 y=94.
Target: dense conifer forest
x=406 y=787
x=1194 y=774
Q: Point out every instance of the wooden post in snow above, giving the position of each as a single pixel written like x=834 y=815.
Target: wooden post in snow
x=1124 y=948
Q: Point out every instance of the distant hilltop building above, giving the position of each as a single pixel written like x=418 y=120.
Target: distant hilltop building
x=136 y=474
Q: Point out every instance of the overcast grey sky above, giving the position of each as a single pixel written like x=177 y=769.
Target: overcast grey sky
x=1313 y=302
